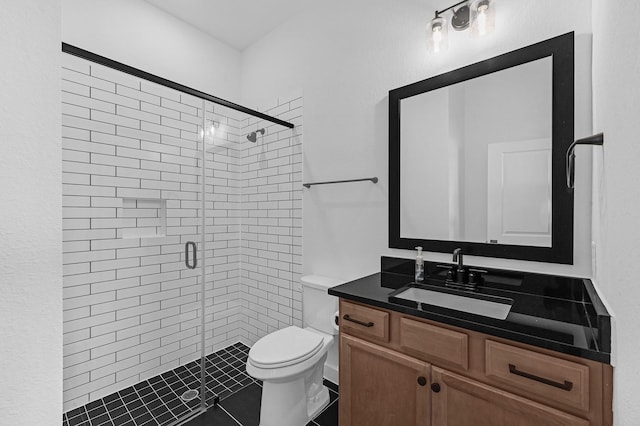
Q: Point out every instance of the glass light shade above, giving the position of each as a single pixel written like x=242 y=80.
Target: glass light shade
x=483 y=17
x=437 y=40
x=210 y=131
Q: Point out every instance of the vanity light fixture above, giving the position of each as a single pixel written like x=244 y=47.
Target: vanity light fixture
x=478 y=14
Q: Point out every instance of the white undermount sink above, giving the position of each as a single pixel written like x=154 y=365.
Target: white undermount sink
x=486 y=306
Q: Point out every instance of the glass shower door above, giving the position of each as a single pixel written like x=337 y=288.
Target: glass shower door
x=133 y=247
x=185 y=220
x=181 y=240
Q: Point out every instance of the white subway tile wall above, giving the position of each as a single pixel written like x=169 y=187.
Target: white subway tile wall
x=131 y=200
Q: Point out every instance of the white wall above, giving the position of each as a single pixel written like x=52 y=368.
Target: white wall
x=30 y=215
x=346 y=56
x=616 y=106
x=142 y=36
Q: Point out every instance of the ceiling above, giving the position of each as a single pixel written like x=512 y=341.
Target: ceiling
x=238 y=23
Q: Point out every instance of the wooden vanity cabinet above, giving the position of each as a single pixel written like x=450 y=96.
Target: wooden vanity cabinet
x=459 y=400
x=381 y=386
x=400 y=370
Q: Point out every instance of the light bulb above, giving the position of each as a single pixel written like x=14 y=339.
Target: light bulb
x=482 y=20
x=437 y=35
x=437 y=39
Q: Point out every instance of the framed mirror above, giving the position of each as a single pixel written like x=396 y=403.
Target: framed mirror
x=477 y=157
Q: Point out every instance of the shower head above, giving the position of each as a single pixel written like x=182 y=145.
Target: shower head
x=252 y=137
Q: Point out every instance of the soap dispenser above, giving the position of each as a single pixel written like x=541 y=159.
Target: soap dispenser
x=419 y=266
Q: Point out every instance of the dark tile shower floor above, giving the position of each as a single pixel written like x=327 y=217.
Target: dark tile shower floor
x=157 y=402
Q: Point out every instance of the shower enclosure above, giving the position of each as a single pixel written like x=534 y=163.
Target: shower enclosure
x=181 y=236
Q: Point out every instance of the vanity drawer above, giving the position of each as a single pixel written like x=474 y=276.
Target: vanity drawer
x=364 y=321
x=553 y=378
x=445 y=345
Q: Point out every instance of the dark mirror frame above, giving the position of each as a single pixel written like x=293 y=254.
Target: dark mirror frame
x=561 y=49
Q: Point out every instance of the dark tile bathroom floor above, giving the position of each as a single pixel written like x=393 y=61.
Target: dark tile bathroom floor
x=157 y=402
x=243 y=409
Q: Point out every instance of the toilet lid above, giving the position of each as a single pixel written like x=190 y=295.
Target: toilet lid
x=284 y=347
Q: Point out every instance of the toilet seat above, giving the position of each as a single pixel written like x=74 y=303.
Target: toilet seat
x=285 y=347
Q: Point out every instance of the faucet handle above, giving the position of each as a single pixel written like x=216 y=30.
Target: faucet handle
x=474 y=275
x=445 y=266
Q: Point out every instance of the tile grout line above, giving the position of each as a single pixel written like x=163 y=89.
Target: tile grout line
x=85 y=413
x=107 y=410
x=143 y=403
x=229 y=354
x=162 y=400
x=223 y=372
x=159 y=398
x=179 y=397
x=237 y=370
x=126 y=407
x=208 y=375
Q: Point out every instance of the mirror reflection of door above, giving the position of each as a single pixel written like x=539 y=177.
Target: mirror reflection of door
x=446 y=134
x=519 y=193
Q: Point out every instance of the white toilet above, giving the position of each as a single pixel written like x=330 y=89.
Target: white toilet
x=290 y=361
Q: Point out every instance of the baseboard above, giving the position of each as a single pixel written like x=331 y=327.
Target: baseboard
x=331 y=373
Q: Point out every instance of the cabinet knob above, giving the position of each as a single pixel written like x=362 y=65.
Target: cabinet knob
x=435 y=387
x=422 y=381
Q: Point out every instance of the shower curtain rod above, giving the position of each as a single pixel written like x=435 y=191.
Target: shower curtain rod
x=93 y=57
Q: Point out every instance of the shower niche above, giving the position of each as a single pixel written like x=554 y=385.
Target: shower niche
x=148 y=218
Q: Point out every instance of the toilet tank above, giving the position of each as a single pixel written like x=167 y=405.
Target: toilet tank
x=318 y=307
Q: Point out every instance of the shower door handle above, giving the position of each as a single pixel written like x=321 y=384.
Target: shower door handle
x=186 y=255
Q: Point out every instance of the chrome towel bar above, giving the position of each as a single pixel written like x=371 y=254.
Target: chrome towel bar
x=597 y=139
x=309 y=184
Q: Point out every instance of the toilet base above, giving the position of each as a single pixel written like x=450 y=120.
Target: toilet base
x=282 y=406
x=322 y=400
x=294 y=402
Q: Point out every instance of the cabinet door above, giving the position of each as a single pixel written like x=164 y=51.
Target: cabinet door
x=381 y=387
x=459 y=401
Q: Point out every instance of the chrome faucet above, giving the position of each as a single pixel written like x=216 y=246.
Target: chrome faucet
x=460 y=272
x=457 y=257
x=463 y=278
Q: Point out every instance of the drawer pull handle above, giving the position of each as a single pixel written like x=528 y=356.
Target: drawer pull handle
x=366 y=324
x=564 y=386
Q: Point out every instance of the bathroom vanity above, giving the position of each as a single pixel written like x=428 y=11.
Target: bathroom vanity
x=477 y=166
x=406 y=362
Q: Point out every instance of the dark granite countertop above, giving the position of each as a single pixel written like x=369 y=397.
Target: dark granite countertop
x=563 y=314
